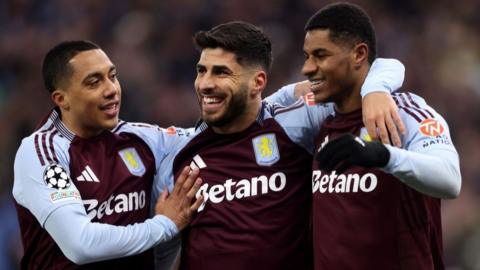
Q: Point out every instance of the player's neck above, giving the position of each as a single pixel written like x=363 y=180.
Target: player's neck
x=352 y=101
x=75 y=127
x=242 y=121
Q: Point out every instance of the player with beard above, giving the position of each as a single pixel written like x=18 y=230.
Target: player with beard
x=374 y=206
x=254 y=158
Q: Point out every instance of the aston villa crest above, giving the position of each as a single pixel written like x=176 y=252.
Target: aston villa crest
x=133 y=161
x=266 y=149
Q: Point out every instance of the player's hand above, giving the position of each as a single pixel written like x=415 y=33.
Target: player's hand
x=178 y=205
x=381 y=118
x=348 y=150
x=302 y=88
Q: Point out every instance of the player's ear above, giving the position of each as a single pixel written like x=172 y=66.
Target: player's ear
x=60 y=99
x=259 y=82
x=360 y=55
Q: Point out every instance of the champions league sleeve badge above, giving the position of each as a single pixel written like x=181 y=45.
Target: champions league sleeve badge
x=266 y=149
x=56 y=177
x=133 y=161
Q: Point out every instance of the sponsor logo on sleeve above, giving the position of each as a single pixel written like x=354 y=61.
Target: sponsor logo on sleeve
x=133 y=161
x=171 y=131
x=266 y=149
x=431 y=127
x=64 y=195
x=442 y=139
x=309 y=99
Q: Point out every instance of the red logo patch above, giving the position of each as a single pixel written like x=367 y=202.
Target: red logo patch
x=431 y=127
x=309 y=99
x=171 y=131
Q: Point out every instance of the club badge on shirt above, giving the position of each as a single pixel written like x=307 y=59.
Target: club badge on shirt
x=266 y=149
x=133 y=161
x=364 y=135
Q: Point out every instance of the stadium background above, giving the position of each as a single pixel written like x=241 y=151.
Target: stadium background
x=150 y=42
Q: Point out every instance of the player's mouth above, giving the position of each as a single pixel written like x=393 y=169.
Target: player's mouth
x=316 y=85
x=111 y=109
x=211 y=104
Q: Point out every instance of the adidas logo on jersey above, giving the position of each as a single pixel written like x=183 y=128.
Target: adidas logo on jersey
x=243 y=188
x=88 y=175
x=343 y=183
x=197 y=162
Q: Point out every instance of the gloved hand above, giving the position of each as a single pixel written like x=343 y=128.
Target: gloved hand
x=348 y=150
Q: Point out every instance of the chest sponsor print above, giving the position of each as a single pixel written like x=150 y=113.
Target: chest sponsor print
x=133 y=161
x=343 y=183
x=266 y=149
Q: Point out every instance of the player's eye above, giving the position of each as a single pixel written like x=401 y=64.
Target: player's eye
x=113 y=75
x=93 y=83
x=201 y=70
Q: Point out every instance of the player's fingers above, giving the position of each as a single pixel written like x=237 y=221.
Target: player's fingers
x=343 y=166
x=371 y=126
x=196 y=186
x=187 y=185
x=399 y=123
x=163 y=196
x=181 y=180
x=198 y=202
x=382 y=130
x=392 y=130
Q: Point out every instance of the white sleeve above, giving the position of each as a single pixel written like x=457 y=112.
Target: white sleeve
x=385 y=75
x=435 y=173
x=30 y=188
x=284 y=96
x=429 y=162
x=302 y=122
x=83 y=241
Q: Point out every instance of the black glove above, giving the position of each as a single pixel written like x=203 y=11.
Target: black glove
x=348 y=150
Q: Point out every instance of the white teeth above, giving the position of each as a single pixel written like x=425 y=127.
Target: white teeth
x=210 y=100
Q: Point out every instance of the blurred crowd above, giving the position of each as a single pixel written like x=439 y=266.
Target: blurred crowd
x=150 y=42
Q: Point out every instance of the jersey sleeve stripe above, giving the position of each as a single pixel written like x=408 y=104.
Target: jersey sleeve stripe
x=37 y=149
x=292 y=107
x=410 y=113
x=52 y=147
x=404 y=99
x=45 y=149
x=417 y=106
x=405 y=107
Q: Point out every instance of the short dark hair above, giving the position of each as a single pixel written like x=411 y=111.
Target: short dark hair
x=346 y=22
x=248 y=42
x=55 y=67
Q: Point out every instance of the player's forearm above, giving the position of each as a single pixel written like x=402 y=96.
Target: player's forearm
x=385 y=75
x=83 y=241
x=436 y=173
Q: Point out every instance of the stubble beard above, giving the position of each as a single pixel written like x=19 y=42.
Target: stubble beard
x=236 y=107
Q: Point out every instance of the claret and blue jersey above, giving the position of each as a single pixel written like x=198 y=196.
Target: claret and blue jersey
x=111 y=175
x=369 y=218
